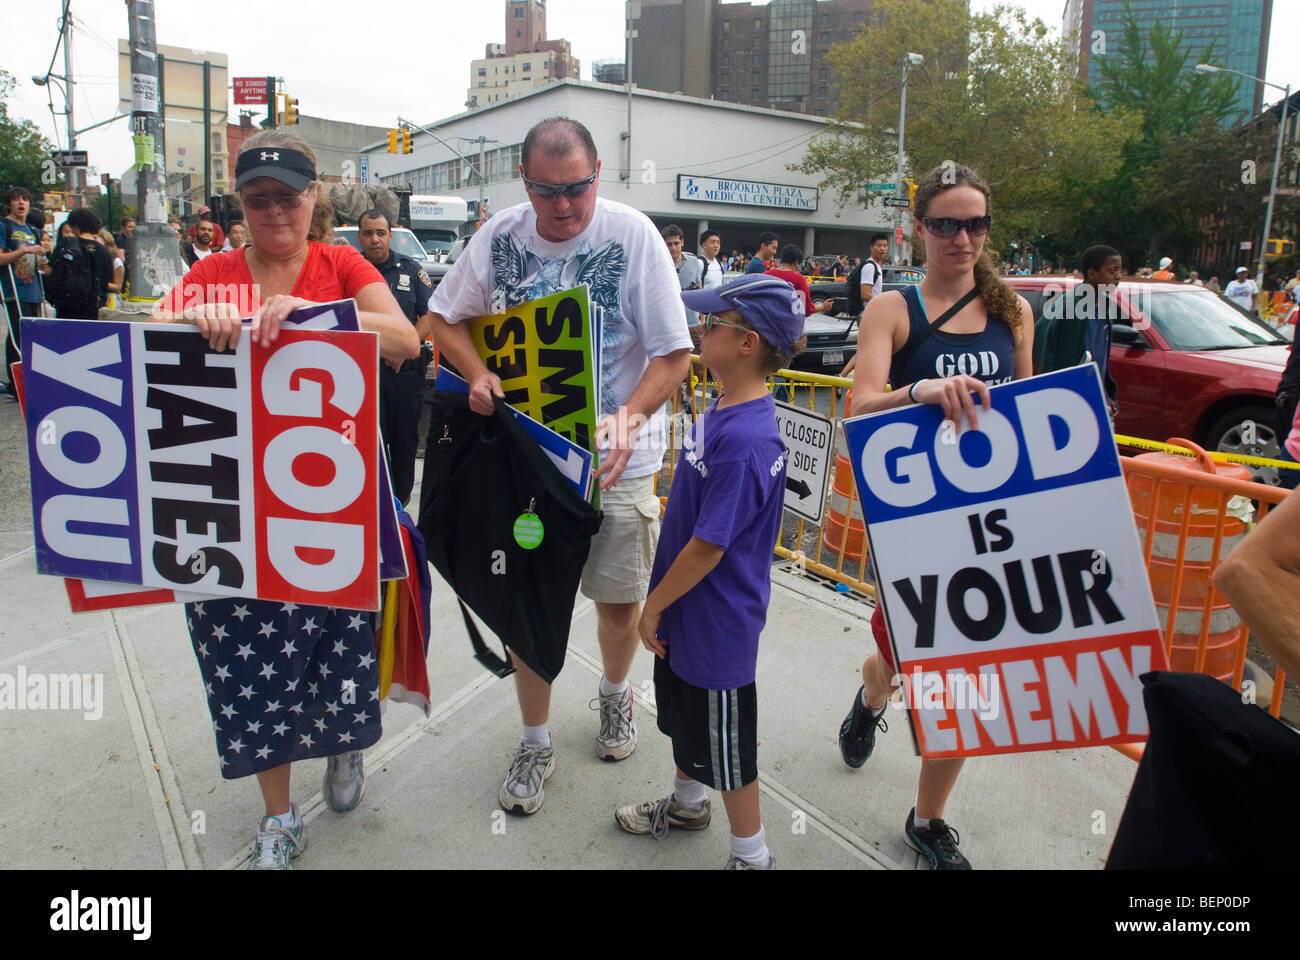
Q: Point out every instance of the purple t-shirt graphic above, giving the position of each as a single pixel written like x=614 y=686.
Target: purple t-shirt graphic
x=728 y=489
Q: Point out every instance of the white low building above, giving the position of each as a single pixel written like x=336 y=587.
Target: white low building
x=702 y=164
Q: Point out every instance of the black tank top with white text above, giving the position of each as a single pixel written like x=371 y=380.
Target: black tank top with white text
x=988 y=355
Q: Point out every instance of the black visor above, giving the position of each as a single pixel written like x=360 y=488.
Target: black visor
x=288 y=166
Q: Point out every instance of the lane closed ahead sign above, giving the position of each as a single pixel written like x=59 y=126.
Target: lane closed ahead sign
x=1008 y=561
x=807 y=438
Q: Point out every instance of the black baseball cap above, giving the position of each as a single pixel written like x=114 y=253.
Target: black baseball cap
x=290 y=167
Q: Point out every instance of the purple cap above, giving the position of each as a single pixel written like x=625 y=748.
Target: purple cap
x=770 y=305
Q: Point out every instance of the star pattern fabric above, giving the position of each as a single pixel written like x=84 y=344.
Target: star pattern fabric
x=285 y=682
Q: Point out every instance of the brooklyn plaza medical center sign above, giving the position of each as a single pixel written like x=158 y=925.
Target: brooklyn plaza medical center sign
x=1018 y=605
x=158 y=462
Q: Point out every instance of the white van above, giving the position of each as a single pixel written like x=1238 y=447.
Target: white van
x=438 y=221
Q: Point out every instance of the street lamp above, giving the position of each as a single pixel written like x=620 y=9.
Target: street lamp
x=911 y=60
x=1277 y=156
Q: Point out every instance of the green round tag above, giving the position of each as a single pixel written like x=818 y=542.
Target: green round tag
x=528 y=531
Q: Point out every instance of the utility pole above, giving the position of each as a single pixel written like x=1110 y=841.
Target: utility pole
x=77 y=175
x=154 y=262
x=632 y=17
x=480 y=140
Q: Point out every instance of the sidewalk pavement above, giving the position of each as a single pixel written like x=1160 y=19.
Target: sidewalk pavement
x=139 y=787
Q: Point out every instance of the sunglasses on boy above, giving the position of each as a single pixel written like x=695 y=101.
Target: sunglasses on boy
x=549 y=191
x=948 y=227
x=711 y=320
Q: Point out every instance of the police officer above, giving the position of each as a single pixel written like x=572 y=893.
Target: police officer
x=401 y=385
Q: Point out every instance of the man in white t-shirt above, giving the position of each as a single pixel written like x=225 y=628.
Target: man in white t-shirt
x=710 y=246
x=564 y=236
x=1242 y=291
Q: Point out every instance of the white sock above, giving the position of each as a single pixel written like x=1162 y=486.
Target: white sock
x=689 y=792
x=874 y=713
x=290 y=820
x=751 y=849
x=541 y=734
x=921 y=823
x=608 y=689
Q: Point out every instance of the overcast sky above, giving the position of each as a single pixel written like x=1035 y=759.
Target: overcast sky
x=347 y=60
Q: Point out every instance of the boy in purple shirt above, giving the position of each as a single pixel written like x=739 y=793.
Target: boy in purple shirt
x=710 y=584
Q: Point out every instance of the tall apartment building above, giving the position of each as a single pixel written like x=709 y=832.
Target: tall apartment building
x=759 y=54
x=1238 y=29
x=526 y=61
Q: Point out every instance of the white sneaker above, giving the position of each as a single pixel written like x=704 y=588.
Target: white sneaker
x=277 y=844
x=533 y=764
x=345 y=781
x=654 y=817
x=617 y=737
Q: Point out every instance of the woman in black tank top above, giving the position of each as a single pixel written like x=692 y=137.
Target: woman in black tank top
x=987 y=341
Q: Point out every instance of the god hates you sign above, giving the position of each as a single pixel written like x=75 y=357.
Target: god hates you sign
x=1007 y=559
x=156 y=462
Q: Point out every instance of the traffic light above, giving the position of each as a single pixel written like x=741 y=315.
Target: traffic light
x=911 y=192
x=392 y=140
x=290 y=109
x=406 y=140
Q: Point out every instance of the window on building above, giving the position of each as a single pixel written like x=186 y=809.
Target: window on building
x=726 y=26
x=758 y=43
x=726 y=43
x=753 y=93
x=218 y=170
x=758 y=23
x=216 y=143
x=822 y=93
x=726 y=61
x=518 y=33
x=823 y=73
x=825 y=36
x=519 y=12
x=482 y=71
x=482 y=83
x=826 y=19
x=527 y=67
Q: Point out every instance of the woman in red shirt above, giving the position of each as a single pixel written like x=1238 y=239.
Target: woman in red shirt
x=285 y=682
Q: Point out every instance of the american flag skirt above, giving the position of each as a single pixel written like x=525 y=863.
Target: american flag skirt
x=285 y=682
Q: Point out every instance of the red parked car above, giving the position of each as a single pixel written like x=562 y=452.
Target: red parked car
x=1188 y=364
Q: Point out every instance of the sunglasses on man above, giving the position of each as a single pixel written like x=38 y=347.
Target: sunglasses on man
x=549 y=191
x=948 y=227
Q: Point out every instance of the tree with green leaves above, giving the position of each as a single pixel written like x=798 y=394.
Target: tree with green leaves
x=24 y=153
x=1190 y=165
x=996 y=93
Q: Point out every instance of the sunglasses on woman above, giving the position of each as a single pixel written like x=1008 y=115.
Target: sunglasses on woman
x=286 y=201
x=948 y=227
x=549 y=191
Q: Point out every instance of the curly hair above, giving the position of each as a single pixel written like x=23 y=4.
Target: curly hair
x=999 y=299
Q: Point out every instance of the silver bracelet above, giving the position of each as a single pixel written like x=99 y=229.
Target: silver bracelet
x=911 y=393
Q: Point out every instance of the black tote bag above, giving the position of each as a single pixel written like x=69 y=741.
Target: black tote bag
x=1214 y=773
x=480 y=475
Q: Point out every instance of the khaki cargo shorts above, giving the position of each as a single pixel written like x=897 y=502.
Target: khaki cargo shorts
x=622 y=553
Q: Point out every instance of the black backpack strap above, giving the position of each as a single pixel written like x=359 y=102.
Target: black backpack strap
x=502 y=667
x=904 y=356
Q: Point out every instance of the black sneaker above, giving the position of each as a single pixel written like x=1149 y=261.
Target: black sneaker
x=858 y=732
x=938 y=842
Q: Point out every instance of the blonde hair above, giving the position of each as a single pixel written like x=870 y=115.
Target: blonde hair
x=107 y=236
x=999 y=299
x=321 y=227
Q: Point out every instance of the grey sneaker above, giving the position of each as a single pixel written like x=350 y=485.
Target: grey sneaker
x=277 y=844
x=533 y=764
x=656 y=816
x=735 y=863
x=617 y=737
x=345 y=781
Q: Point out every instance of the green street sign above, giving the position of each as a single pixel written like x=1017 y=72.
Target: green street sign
x=882 y=186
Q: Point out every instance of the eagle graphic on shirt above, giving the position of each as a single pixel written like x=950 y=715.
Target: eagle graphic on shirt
x=519 y=275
